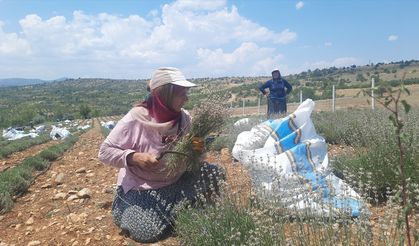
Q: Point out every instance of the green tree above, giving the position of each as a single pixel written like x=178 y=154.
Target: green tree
x=84 y=111
x=360 y=77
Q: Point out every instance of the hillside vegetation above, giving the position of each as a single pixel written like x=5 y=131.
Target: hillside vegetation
x=91 y=97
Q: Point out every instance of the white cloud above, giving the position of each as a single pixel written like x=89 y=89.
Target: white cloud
x=299 y=5
x=247 y=59
x=12 y=45
x=392 y=38
x=328 y=44
x=184 y=33
x=199 y=5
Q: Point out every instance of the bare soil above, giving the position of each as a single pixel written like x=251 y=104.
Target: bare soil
x=38 y=218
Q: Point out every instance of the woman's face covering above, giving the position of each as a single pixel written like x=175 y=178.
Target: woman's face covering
x=180 y=97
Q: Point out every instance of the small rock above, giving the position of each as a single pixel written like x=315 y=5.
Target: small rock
x=46 y=186
x=18 y=226
x=108 y=190
x=87 y=241
x=90 y=175
x=84 y=193
x=90 y=230
x=104 y=204
x=1 y=217
x=59 y=179
x=29 y=221
x=59 y=196
x=29 y=228
x=81 y=170
x=81 y=153
x=33 y=243
x=73 y=218
x=72 y=198
x=72 y=192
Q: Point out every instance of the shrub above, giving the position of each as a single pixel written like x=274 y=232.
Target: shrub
x=34 y=163
x=376 y=151
x=49 y=154
x=222 y=224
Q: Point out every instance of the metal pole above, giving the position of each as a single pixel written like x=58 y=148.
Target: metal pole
x=243 y=106
x=301 y=96
x=333 y=98
x=258 y=105
x=372 y=93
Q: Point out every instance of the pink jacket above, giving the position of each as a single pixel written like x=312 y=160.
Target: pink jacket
x=138 y=132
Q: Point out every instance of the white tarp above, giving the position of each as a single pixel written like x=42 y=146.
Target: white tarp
x=110 y=124
x=85 y=127
x=13 y=134
x=287 y=158
x=59 y=133
x=40 y=128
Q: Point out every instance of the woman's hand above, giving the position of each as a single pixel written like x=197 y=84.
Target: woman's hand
x=143 y=160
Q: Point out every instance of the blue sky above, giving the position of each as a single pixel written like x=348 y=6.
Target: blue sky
x=49 y=39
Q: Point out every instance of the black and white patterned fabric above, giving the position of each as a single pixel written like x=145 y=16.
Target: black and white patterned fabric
x=147 y=216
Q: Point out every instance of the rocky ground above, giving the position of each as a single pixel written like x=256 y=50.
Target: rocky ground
x=70 y=204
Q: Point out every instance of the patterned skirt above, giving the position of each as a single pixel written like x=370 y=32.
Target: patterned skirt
x=147 y=216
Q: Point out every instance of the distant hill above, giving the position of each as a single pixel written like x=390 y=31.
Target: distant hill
x=21 y=81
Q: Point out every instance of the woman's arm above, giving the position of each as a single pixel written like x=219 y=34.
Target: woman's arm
x=117 y=146
x=143 y=160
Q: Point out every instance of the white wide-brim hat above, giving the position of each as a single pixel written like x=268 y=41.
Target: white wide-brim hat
x=169 y=75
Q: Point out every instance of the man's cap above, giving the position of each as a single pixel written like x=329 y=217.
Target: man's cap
x=169 y=75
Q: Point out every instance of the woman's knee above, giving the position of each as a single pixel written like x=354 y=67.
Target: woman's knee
x=145 y=225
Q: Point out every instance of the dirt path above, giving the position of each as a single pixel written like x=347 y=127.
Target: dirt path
x=46 y=215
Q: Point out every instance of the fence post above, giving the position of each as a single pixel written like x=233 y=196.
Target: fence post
x=243 y=106
x=301 y=96
x=372 y=93
x=333 y=98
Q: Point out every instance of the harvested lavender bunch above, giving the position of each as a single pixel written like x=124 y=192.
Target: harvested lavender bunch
x=208 y=117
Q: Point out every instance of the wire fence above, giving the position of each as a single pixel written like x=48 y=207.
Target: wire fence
x=335 y=103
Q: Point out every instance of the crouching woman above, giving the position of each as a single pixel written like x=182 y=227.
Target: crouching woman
x=147 y=191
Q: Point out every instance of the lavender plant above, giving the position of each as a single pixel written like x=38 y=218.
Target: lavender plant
x=208 y=117
x=392 y=102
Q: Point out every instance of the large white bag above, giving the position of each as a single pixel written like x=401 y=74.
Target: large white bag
x=288 y=159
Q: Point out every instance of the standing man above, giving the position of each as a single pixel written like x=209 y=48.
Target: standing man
x=279 y=88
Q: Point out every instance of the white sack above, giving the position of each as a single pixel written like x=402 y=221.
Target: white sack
x=287 y=158
x=59 y=133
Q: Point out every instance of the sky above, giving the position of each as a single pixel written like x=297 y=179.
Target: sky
x=129 y=39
